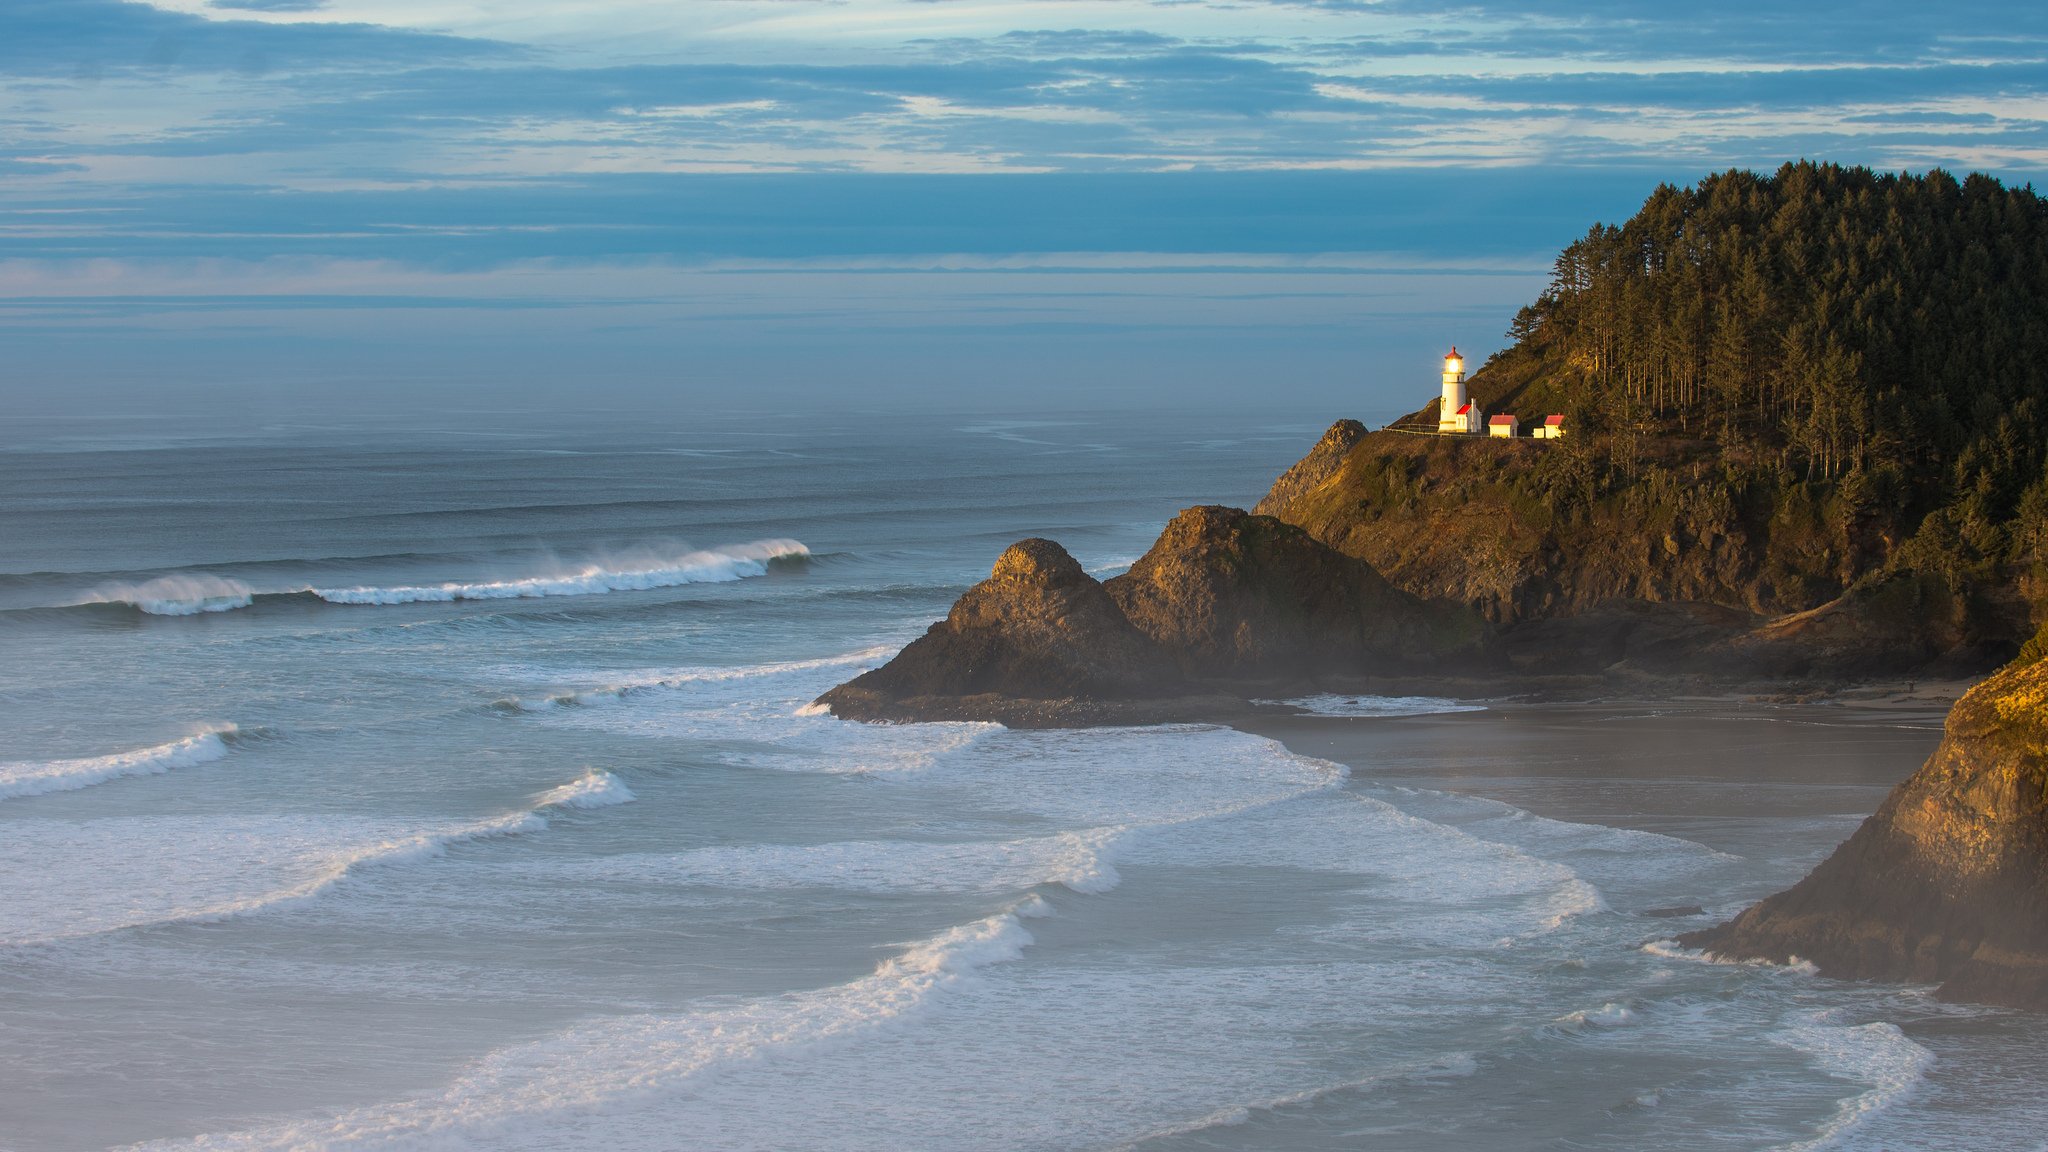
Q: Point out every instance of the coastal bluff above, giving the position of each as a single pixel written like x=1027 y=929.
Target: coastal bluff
x=1947 y=882
x=1225 y=605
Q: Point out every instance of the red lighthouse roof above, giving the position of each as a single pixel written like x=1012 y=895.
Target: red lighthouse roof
x=1453 y=355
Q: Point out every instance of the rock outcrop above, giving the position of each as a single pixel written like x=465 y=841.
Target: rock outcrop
x=1948 y=882
x=1313 y=470
x=1223 y=603
x=1235 y=596
x=1039 y=628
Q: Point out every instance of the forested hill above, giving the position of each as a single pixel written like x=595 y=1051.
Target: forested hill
x=1820 y=323
x=1780 y=388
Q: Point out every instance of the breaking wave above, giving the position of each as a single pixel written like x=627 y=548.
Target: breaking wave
x=175 y=595
x=35 y=777
x=710 y=566
x=594 y=789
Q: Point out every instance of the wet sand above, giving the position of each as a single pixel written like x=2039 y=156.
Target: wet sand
x=1751 y=778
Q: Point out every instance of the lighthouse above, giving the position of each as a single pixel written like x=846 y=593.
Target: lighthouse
x=1457 y=413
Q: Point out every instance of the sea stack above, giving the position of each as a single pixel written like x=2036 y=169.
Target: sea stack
x=1225 y=605
x=1039 y=630
x=1948 y=882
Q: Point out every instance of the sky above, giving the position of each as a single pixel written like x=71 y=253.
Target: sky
x=259 y=207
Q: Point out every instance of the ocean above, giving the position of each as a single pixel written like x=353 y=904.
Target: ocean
x=428 y=782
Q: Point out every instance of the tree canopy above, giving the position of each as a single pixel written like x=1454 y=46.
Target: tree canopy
x=1865 y=332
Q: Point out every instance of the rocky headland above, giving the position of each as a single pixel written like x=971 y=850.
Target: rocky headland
x=1776 y=476
x=1947 y=883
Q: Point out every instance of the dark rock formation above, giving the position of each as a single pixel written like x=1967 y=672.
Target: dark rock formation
x=1234 y=596
x=1039 y=628
x=1948 y=881
x=1223 y=601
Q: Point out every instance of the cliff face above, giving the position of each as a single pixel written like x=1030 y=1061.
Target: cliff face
x=1222 y=599
x=1690 y=554
x=1229 y=595
x=1948 y=881
x=1496 y=524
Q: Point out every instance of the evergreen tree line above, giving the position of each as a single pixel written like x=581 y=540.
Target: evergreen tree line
x=1823 y=323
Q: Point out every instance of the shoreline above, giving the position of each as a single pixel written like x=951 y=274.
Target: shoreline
x=1714 y=769
x=1242 y=703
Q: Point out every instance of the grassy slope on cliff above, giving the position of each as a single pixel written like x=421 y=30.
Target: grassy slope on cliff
x=1778 y=387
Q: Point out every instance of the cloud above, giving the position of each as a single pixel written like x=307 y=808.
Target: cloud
x=89 y=38
x=269 y=5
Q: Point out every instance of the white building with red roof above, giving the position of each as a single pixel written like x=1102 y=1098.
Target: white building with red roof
x=1504 y=425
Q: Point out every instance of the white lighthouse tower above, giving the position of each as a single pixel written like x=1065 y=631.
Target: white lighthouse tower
x=1457 y=414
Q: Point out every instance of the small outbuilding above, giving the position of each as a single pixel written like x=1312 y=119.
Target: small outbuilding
x=1552 y=428
x=1505 y=425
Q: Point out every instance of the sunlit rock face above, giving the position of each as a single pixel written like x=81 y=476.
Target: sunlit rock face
x=1948 y=881
x=1232 y=595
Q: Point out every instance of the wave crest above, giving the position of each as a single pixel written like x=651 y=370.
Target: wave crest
x=709 y=566
x=594 y=789
x=35 y=777
x=187 y=595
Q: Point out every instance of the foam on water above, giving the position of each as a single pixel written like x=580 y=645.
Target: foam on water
x=36 y=777
x=709 y=566
x=1672 y=950
x=185 y=595
x=1877 y=1054
x=594 y=789
x=1606 y=1016
x=620 y=1060
x=1330 y=704
x=1081 y=861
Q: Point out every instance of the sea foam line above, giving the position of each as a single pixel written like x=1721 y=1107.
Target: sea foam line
x=710 y=566
x=594 y=789
x=639 y=1057
x=36 y=777
x=1332 y=704
x=678 y=678
x=1877 y=1054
